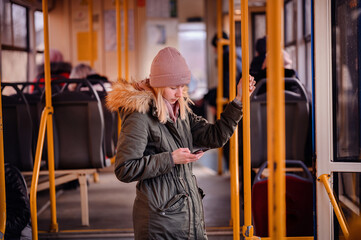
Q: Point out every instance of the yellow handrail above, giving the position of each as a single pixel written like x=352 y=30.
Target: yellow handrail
x=126 y=50
x=324 y=179
x=46 y=123
x=119 y=40
x=275 y=122
x=220 y=76
x=2 y=176
x=247 y=229
x=234 y=139
x=90 y=16
x=35 y=178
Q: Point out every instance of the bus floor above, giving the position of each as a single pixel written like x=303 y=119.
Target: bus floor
x=111 y=202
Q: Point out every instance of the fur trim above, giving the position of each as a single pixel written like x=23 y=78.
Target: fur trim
x=129 y=98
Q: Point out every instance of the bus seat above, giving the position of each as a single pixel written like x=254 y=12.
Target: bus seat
x=297 y=121
x=299 y=202
x=110 y=120
x=36 y=102
x=79 y=122
x=18 y=129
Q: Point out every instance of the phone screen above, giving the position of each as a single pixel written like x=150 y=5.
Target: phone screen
x=200 y=150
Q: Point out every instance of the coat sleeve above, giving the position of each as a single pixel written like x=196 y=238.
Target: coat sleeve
x=131 y=164
x=215 y=135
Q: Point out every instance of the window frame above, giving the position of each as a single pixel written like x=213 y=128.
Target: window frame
x=12 y=46
x=293 y=41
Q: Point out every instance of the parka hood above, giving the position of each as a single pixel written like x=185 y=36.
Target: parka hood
x=130 y=96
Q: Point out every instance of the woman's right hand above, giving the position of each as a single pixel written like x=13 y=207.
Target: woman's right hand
x=184 y=156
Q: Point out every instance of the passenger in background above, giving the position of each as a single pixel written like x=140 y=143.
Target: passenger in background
x=257 y=61
x=155 y=147
x=58 y=67
x=84 y=71
x=287 y=64
x=81 y=71
x=211 y=96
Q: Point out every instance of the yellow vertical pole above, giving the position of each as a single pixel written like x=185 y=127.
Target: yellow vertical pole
x=275 y=121
x=90 y=13
x=220 y=77
x=126 y=42
x=46 y=118
x=2 y=175
x=234 y=139
x=50 y=138
x=119 y=39
x=34 y=180
x=247 y=228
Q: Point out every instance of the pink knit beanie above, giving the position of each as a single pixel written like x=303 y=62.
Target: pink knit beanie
x=169 y=68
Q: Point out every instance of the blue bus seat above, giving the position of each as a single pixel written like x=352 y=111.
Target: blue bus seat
x=18 y=129
x=297 y=121
x=299 y=202
x=79 y=123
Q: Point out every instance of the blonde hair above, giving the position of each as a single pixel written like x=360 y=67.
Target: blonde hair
x=162 y=110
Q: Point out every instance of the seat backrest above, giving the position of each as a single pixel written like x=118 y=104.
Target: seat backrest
x=299 y=202
x=79 y=123
x=18 y=129
x=110 y=120
x=36 y=102
x=297 y=121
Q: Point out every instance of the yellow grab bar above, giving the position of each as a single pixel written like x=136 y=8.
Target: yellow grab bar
x=126 y=50
x=275 y=121
x=220 y=102
x=46 y=122
x=35 y=178
x=2 y=176
x=220 y=76
x=247 y=229
x=324 y=179
x=234 y=139
x=90 y=13
x=119 y=40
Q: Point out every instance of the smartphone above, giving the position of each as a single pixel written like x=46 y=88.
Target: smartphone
x=200 y=150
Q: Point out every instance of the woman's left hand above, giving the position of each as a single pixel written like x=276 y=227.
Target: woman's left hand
x=252 y=87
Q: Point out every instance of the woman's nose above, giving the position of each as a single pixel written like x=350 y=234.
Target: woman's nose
x=179 y=92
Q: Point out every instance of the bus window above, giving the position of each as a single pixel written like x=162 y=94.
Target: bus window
x=348 y=185
x=14 y=38
x=346 y=80
x=39 y=30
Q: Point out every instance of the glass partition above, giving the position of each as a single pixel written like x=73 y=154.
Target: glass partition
x=346 y=79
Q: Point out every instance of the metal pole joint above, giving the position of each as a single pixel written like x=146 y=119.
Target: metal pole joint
x=247 y=231
x=50 y=109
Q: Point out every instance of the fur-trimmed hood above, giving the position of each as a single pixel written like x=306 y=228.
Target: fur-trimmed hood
x=130 y=97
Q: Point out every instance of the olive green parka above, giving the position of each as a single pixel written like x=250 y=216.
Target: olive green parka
x=168 y=203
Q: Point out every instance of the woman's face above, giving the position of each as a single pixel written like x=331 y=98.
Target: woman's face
x=172 y=94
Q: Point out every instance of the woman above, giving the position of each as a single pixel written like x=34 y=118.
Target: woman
x=155 y=148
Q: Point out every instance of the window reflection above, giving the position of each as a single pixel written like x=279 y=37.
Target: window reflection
x=39 y=30
x=13 y=65
x=349 y=195
x=346 y=77
x=289 y=23
x=6 y=31
x=19 y=26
